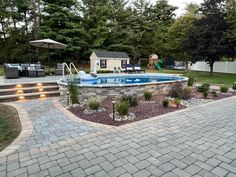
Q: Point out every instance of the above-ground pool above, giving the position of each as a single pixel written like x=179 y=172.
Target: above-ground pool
x=115 y=85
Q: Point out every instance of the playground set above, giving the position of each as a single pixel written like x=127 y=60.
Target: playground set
x=155 y=62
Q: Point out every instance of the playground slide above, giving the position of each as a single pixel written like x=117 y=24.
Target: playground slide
x=159 y=65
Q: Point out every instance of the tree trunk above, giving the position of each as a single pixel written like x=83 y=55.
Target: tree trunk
x=211 y=67
x=186 y=66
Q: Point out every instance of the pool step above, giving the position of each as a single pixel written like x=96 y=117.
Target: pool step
x=19 y=92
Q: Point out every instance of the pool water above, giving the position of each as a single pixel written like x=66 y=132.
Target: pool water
x=129 y=79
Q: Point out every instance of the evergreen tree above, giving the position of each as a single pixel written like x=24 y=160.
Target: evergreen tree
x=61 y=23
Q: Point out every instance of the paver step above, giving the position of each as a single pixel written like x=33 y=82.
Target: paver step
x=16 y=97
x=27 y=85
x=13 y=91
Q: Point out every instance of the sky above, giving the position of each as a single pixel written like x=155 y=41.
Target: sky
x=180 y=4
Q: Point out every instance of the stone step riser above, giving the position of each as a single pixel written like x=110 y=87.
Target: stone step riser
x=35 y=90
x=29 y=97
x=28 y=85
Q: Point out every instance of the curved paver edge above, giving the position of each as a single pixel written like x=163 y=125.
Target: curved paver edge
x=26 y=130
x=80 y=120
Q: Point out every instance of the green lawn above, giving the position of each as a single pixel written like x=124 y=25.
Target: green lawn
x=1 y=70
x=9 y=125
x=204 y=77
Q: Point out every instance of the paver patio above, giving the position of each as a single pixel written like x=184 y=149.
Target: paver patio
x=199 y=141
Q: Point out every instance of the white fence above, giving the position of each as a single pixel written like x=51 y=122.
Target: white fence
x=219 y=66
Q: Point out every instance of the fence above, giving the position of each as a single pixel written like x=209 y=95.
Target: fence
x=221 y=67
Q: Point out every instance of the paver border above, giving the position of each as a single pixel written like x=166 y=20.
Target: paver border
x=26 y=130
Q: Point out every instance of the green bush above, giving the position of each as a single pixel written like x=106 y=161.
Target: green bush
x=203 y=88
x=214 y=94
x=191 y=81
x=205 y=94
x=93 y=103
x=224 y=89
x=182 y=93
x=122 y=108
x=165 y=103
x=131 y=100
x=175 y=91
x=147 y=95
x=186 y=93
x=177 y=102
x=74 y=93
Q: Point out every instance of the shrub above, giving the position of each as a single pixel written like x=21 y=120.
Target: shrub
x=205 y=94
x=177 y=102
x=165 y=103
x=214 y=94
x=122 y=108
x=186 y=93
x=74 y=93
x=147 y=95
x=203 y=88
x=191 y=81
x=224 y=89
x=93 y=103
x=131 y=100
x=182 y=93
x=175 y=91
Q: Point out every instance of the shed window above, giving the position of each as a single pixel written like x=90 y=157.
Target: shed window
x=123 y=63
x=103 y=63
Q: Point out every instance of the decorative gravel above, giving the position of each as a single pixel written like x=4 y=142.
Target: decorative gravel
x=195 y=102
x=89 y=111
x=130 y=116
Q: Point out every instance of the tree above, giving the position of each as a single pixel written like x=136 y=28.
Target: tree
x=177 y=34
x=231 y=19
x=160 y=18
x=61 y=23
x=192 y=8
x=207 y=40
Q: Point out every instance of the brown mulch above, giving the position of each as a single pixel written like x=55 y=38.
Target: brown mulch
x=143 y=110
x=199 y=95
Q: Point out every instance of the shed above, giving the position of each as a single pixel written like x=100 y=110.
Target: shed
x=108 y=60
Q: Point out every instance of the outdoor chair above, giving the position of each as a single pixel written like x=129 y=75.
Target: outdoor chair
x=11 y=71
x=129 y=68
x=119 y=70
x=115 y=70
x=59 y=69
x=39 y=70
x=137 y=69
x=24 y=70
x=32 y=71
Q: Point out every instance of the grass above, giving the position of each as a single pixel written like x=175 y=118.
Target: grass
x=201 y=77
x=204 y=77
x=9 y=125
x=1 y=70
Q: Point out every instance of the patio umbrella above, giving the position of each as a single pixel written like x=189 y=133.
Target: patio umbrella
x=48 y=44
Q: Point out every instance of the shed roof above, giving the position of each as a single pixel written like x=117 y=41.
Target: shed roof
x=110 y=54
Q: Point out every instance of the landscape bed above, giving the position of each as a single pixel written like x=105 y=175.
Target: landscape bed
x=146 y=109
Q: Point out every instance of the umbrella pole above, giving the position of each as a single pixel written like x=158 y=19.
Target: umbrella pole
x=49 y=61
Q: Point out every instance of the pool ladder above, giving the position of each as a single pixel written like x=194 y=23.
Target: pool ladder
x=70 y=68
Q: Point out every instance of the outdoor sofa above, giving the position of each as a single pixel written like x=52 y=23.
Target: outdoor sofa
x=11 y=71
x=23 y=70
